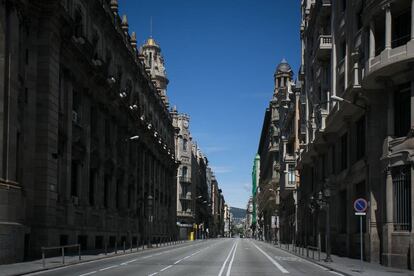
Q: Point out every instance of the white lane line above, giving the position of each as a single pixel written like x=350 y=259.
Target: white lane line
x=128 y=262
x=155 y=273
x=89 y=273
x=224 y=264
x=231 y=261
x=337 y=273
x=165 y=268
x=178 y=261
x=307 y=261
x=109 y=267
x=281 y=268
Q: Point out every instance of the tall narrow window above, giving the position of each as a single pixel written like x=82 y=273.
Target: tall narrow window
x=401 y=28
x=92 y=180
x=106 y=191
x=360 y=135
x=184 y=172
x=344 y=151
x=291 y=175
x=74 y=179
x=185 y=144
x=402 y=110
x=401 y=178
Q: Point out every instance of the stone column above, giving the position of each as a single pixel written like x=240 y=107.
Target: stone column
x=412 y=19
x=388 y=27
x=371 y=39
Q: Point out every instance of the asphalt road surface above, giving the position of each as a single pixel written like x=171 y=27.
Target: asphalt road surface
x=218 y=257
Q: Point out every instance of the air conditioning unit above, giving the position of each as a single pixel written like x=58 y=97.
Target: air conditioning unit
x=75 y=117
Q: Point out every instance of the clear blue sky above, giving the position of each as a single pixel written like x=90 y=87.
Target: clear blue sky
x=220 y=58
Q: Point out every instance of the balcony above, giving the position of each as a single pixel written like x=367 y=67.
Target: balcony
x=187 y=214
x=186 y=196
x=324 y=49
x=185 y=179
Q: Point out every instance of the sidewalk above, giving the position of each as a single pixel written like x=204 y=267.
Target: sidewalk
x=54 y=262
x=347 y=266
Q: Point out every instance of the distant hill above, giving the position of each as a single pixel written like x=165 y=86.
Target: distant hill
x=238 y=213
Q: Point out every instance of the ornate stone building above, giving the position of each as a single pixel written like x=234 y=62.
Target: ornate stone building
x=287 y=96
x=186 y=191
x=357 y=68
x=87 y=151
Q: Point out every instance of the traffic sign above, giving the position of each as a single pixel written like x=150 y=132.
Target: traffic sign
x=360 y=205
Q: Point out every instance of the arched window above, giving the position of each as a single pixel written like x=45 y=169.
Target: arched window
x=184 y=172
x=185 y=145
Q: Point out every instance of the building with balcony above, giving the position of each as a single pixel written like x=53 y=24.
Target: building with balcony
x=287 y=96
x=186 y=191
x=356 y=126
x=88 y=143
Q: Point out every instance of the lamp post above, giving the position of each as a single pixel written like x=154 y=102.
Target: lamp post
x=323 y=202
x=150 y=218
x=336 y=98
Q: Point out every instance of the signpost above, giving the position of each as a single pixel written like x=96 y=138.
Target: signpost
x=360 y=206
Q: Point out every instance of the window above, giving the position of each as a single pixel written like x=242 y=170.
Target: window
x=291 y=175
x=343 y=50
x=343 y=208
x=360 y=138
x=92 y=179
x=343 y=6
x=401 y=28
x=106 y=191
x=359 y=23
x=184 y=172
x=185 y=145
x=79 y=22
x=74 y=179
x=402 y=110
x=401 y=179
x=344 y=151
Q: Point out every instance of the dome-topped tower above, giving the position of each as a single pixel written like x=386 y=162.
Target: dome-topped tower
x=155 y=62
x=283 y=75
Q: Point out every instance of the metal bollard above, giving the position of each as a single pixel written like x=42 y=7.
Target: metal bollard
x=63 y=255
x=124 y=247
x=106 y=248
x=79 y=251
x=116 y=247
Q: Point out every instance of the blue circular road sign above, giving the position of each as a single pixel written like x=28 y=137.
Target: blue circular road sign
x=360 y=205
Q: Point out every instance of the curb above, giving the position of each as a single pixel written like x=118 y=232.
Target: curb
x=86 y=261
x=313 y=261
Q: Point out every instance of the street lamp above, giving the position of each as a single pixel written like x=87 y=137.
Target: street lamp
x=336 y=98
x=322 y=201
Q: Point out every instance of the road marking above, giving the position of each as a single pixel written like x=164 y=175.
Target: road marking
x=109 y=267
x=165 y=268
x=155 y=273
x=231 y=261
x=281 y=268
x=224 y=264
x=178 y=261
x=128 y=262
x=337 y=273
x=89 y=273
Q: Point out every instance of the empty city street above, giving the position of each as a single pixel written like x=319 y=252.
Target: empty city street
x=210 y=257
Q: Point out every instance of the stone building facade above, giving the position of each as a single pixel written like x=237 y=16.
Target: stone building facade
x=358 y=84
x=87 y=152
x=287 y=96
x=186 y=192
